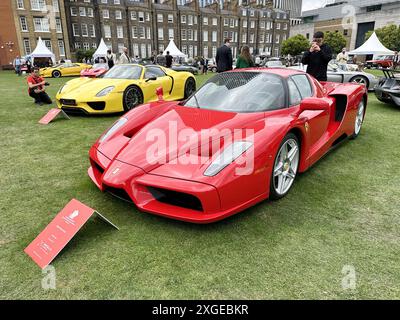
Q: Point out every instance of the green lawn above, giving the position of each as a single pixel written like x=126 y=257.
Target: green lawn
x=343 y=211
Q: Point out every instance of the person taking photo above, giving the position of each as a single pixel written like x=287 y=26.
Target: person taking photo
x=36 y=88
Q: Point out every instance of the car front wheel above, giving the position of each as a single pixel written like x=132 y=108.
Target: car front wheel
x=56 y=74
x=285 y=167
x=133 y=96
x=190 y=87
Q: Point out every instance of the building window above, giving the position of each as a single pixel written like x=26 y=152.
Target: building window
x=77 y=45
x=183 y=19
x=61 y=48
x=56 y=6
x=374 y=8
x=244 y=38
x=183 y=34
x=160 y=17
x=205 y=52
x=84 y=30
x=90 y=12
x=278 y=26
x=205 y=21
x=24 y=25
x=27 y=46
x=118 y=14
x=285 y=26
x=117 y=1
x=244 y=13
x=252 y=24
x=251 y=37
x=244 y=23
x=205 y=35
x=134 y=32
x=345 y=32
x=143 y=50
x=214 y=36
x=190 y=20
x=278 y=38
x=38 y=5
x=147 y=16
x=74 y=11
x=225 y=34
x=58 y=25
x=160 y=34
x=226 y=22
x=214 y=22
x=232 y=23
x=171 y=34
x=133 y=15
x=94 y=45
x=142 y=34
x=190 y=34
x=148 y=29
x=92 y=31
x=86 y=46
x=120 y=32
x=106 y=14
x=214 y=51
x=75 y=30
x=107 y=31
x=41 y=24
x=48 y=44
x=149 y=50
x=20 y=4
x=135 y=49
x=141 y=16
x=82 y=11
x=170 y=18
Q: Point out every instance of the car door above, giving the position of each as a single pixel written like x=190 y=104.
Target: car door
x=334 y=74
x=317 y=120
x=154 y=77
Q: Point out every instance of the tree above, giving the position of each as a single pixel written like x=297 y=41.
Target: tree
x=295 y=45
x=335 y=40
x=389 y=36
x=87 y=54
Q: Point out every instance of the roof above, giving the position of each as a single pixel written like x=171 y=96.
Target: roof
x=372 y=46
x=101 y=50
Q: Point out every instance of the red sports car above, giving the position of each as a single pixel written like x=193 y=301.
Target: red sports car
x=97 y=70
x=240 y=139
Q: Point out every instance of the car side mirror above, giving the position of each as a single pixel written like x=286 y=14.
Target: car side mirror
x=160 y=93
x=314 y=104
x=151 y=79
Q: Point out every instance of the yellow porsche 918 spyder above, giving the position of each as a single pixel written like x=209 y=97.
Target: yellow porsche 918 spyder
x=64 y=69
x=122 y=88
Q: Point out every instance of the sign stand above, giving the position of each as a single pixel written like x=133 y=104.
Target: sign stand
x=49 y=243
x=52 y=115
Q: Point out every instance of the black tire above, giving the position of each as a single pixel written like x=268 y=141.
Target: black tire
x=190 y=87
x=214 y=69
x=364 y=78
x=273 y=194
x=132 y=97
x=56 y=74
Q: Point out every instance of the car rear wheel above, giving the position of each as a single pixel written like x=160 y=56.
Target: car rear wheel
x=190 y=87
x=285 y=167
x=133 y=96
x=360 y=80
x=359 y=119
x=56 y=74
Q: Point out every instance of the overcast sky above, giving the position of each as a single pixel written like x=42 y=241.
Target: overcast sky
x=313 y=4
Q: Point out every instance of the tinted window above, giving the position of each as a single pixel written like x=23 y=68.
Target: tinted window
x=294 y=94
x=240 y=92
x=304 y=86
x=153 y=72
x=124 y=72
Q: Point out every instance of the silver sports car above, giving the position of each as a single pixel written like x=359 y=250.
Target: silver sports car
x=337 y=74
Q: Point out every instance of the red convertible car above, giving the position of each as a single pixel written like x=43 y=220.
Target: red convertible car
x=97 y=70
x=241 y=138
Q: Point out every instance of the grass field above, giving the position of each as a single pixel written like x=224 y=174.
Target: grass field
x=342 y=212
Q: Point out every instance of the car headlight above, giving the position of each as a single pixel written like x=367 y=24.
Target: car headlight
x=114 y=128
x=105 y=91
x=62 y=88
x=225 y=158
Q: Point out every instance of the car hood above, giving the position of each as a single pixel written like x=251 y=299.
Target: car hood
x=156 y=144
x=90 y=87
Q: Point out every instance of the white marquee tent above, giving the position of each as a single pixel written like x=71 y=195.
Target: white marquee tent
x=41 y=51
x=173 y=50
x=372 y=46
x=101 y=51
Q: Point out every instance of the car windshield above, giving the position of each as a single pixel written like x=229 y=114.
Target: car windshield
x=242 y=92
x=124 y=72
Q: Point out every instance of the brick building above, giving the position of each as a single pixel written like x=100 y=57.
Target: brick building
x=9 y=45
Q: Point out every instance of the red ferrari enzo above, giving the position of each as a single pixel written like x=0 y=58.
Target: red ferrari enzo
x=241 y=138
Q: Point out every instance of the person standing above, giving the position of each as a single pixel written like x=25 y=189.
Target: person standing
x=124 y=57
x=160 y=59
x=343 y=57
x=110 y=57
x=244 y=60
x=36 y=88
x=318 y=57
x=168 y=60
x=17 y=65
x=224 y=57
x=396 y=60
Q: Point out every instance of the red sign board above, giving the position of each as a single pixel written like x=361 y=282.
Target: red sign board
x=59 y=232
x=53 y=114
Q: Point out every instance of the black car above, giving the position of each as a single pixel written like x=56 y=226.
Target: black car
x=185 y=67
x=388 y=88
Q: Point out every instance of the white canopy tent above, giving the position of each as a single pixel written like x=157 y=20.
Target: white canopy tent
x=173 y=50
x=101 y=51
x=41 y=51
x=372 y=46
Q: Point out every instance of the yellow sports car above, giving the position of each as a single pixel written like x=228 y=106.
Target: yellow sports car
x=64 y=69
x=124 y=87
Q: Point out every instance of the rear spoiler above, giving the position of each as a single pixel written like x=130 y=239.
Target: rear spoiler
x=390 y=73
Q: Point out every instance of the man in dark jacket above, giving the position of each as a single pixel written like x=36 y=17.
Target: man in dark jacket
x=224 y=57
x=168 y=60
x=318 y=57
